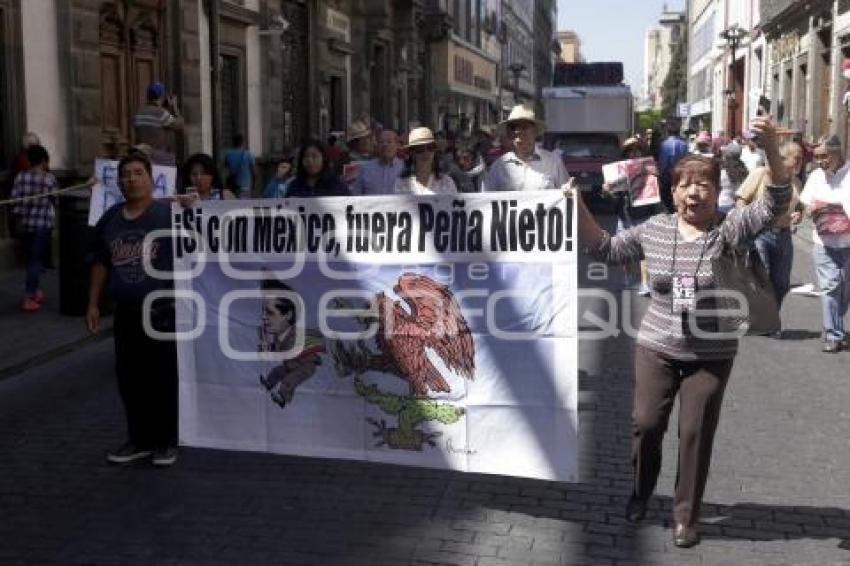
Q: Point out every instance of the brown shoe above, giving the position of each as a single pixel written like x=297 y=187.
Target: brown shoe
x=684 y=536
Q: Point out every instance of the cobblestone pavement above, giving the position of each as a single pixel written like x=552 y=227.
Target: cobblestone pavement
x=778 y=494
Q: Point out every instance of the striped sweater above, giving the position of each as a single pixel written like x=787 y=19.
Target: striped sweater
x=656 y=240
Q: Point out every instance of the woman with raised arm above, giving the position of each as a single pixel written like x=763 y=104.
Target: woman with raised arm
x=680 y=348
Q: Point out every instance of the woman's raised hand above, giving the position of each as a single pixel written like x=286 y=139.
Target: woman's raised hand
x=763 y=127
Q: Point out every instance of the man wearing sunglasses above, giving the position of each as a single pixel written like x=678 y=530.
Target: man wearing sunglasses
x=526 y=168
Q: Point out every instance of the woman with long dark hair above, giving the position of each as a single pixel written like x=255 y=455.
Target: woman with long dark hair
x=313 y=175
x=200 y=176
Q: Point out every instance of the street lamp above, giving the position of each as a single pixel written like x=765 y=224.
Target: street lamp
x=733 y=36
x=517 y=69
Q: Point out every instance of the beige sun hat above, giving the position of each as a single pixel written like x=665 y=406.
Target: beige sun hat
x=523 y=113
x=631 y=142
x=358 y=129
x=420 y=136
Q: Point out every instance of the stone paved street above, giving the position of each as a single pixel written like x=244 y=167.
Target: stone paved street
x=778 y=494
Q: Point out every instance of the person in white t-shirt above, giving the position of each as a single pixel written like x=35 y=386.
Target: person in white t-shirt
x=422 y=175
x=827 y=197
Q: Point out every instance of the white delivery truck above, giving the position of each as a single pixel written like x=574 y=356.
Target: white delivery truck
x=589 y=114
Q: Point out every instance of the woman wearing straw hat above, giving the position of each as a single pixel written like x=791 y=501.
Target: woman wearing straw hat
x=421 y=175
x=526 y=168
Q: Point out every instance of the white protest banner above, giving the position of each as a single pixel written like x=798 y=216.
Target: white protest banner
x=105 y=193
x=638 y=176
x=436 y=331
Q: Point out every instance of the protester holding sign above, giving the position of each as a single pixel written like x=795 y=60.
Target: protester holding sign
x=629 y=212
x=526 y=168
x=679 y=347
x=422 y=174
x=827 y=197
x=146 y=367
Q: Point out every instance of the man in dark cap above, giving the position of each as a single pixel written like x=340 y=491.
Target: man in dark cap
x=155 y=122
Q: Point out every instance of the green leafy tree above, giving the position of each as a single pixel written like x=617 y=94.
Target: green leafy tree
x=675 y=86
x=647 y=119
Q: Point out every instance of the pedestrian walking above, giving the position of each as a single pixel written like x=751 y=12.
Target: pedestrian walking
x=34 y=220
x=422 y=174
x=145 y=365
x=679 y=350
x=204 y=179
x=378 y=176
x=276 y=187
x=774 y=245
x=155 y=124
x=313 y=175
x=827 y=198
x=241 y=168
x=671 y=150
x=526 y=167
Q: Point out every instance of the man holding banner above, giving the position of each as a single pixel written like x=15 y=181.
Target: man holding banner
x=146 y=366
x=526 y=168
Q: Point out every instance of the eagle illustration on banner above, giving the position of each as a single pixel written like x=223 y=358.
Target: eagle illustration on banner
x=425 y=323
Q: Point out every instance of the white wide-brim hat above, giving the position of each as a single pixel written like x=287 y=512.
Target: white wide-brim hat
x=420 y=136
x=523 y=113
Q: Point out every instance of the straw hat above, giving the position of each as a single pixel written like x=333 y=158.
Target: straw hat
x=631 y=142
x=357 y=130
x=523 y=113
x=419 y=137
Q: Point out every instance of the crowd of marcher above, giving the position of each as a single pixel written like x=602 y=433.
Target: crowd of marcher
x=715 y=194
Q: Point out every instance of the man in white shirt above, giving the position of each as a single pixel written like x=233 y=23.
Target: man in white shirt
x=378 y=176
x=827 y=197
x=526 y=168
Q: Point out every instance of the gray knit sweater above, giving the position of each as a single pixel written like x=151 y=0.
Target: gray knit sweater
x=657 y=240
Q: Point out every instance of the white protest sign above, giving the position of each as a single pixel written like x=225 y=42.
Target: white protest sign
x=106 y=192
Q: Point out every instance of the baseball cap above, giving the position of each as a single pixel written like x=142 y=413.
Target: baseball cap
x=156 y=90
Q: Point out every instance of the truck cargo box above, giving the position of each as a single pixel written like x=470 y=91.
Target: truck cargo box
x=580 y=74
x=588 y=109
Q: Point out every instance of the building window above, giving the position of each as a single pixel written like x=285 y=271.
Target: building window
x=231 y=97
x=703 y=38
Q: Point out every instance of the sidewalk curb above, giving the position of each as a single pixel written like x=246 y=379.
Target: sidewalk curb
x=44 y=357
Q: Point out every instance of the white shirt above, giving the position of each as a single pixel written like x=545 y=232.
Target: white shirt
x=378 y=178
x=726 y=200
x=829 y=188
x=544 y=171
x=411 y=185
x=752 y=159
